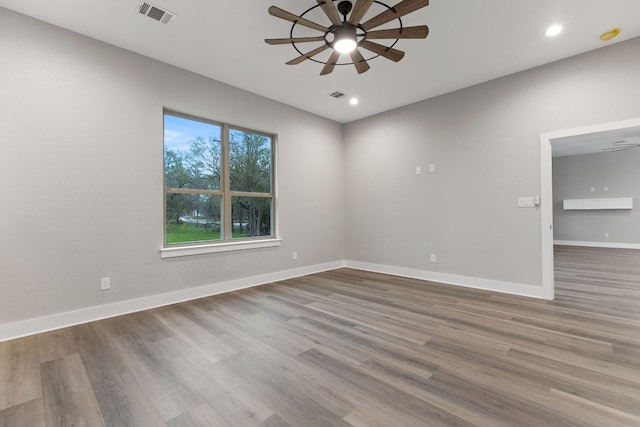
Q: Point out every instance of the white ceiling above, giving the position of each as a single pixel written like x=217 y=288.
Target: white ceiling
x=470 y=41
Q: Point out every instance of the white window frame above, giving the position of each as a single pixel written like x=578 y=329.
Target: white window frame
x=226 y=243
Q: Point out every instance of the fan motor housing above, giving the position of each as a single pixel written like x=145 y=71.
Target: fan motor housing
x=342 y=31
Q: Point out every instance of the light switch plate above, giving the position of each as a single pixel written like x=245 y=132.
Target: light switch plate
x=525 y=202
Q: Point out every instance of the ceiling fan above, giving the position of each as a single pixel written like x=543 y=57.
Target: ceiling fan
x=346 y=34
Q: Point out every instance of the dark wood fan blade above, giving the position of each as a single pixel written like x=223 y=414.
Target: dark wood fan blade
x=397 y=11
x=359 y=62
x=359 y=10
x=295 y=40
x=418 y=32
x=331 y=63
x=331 y=11
x=308 y=55
x=390 y=53
x=283 y=14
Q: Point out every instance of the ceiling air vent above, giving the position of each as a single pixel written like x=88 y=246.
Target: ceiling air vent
x=337 y=94
x=157 y=13
x=621 y=145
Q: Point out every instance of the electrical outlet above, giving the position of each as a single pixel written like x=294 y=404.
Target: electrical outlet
x=606 y=235
x=294 y=255
x=432 y=258
x=105 y=283
x=418 y=170
x=432 y=168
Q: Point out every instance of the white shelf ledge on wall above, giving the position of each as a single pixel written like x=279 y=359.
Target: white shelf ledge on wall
x=596 y=204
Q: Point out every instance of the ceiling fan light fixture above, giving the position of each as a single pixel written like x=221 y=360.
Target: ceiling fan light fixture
x=348 y=35
x=345 y=39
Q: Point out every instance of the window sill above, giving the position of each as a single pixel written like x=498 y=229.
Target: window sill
x=179 y=251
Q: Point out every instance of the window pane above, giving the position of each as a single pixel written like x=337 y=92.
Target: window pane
x=249 y=162
x=251 y=216
x=192 y=153
x=192 y=217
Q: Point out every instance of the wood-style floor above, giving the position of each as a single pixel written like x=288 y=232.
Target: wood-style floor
x=348 y=348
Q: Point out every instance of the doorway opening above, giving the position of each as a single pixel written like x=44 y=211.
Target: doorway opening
x=549 y=140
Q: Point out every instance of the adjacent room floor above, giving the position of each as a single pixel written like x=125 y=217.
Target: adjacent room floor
x=348 y=347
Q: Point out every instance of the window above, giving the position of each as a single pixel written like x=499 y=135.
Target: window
x=218 y=182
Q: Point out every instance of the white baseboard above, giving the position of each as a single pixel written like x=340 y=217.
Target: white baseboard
x=597 y=244
x=26 y=327
x=453 y=279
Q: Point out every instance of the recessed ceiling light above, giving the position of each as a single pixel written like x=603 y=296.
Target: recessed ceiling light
x=553 y=30
x=605 y=37
x=354 y=101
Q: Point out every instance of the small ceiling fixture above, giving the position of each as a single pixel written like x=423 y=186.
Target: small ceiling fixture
x=354 y=101
x=156 y=12
x=621 y=145
x=553 y=30
x=346 y=34
x=337 y=94
x=605 y=37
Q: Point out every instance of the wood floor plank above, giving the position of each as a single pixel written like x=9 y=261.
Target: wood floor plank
x=483 y=399
x=226 y=395
x=158 y=380
x=602 y=388
x=275 y=421
x=335 y=340
x=348 y=347
x=67 y=394
x=124 y=403
x=55 y=345
x=201 y=416
x=195 y=339
x=590 y=412
x=19 y=372
x=291 y=403
x=419 y=387
x=290 y=371
x=25 y=414
x=100 y=356
x=389 y=399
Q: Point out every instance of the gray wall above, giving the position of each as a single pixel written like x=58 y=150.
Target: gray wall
x=485 y=143
x=81 y=158
x=573 y=177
